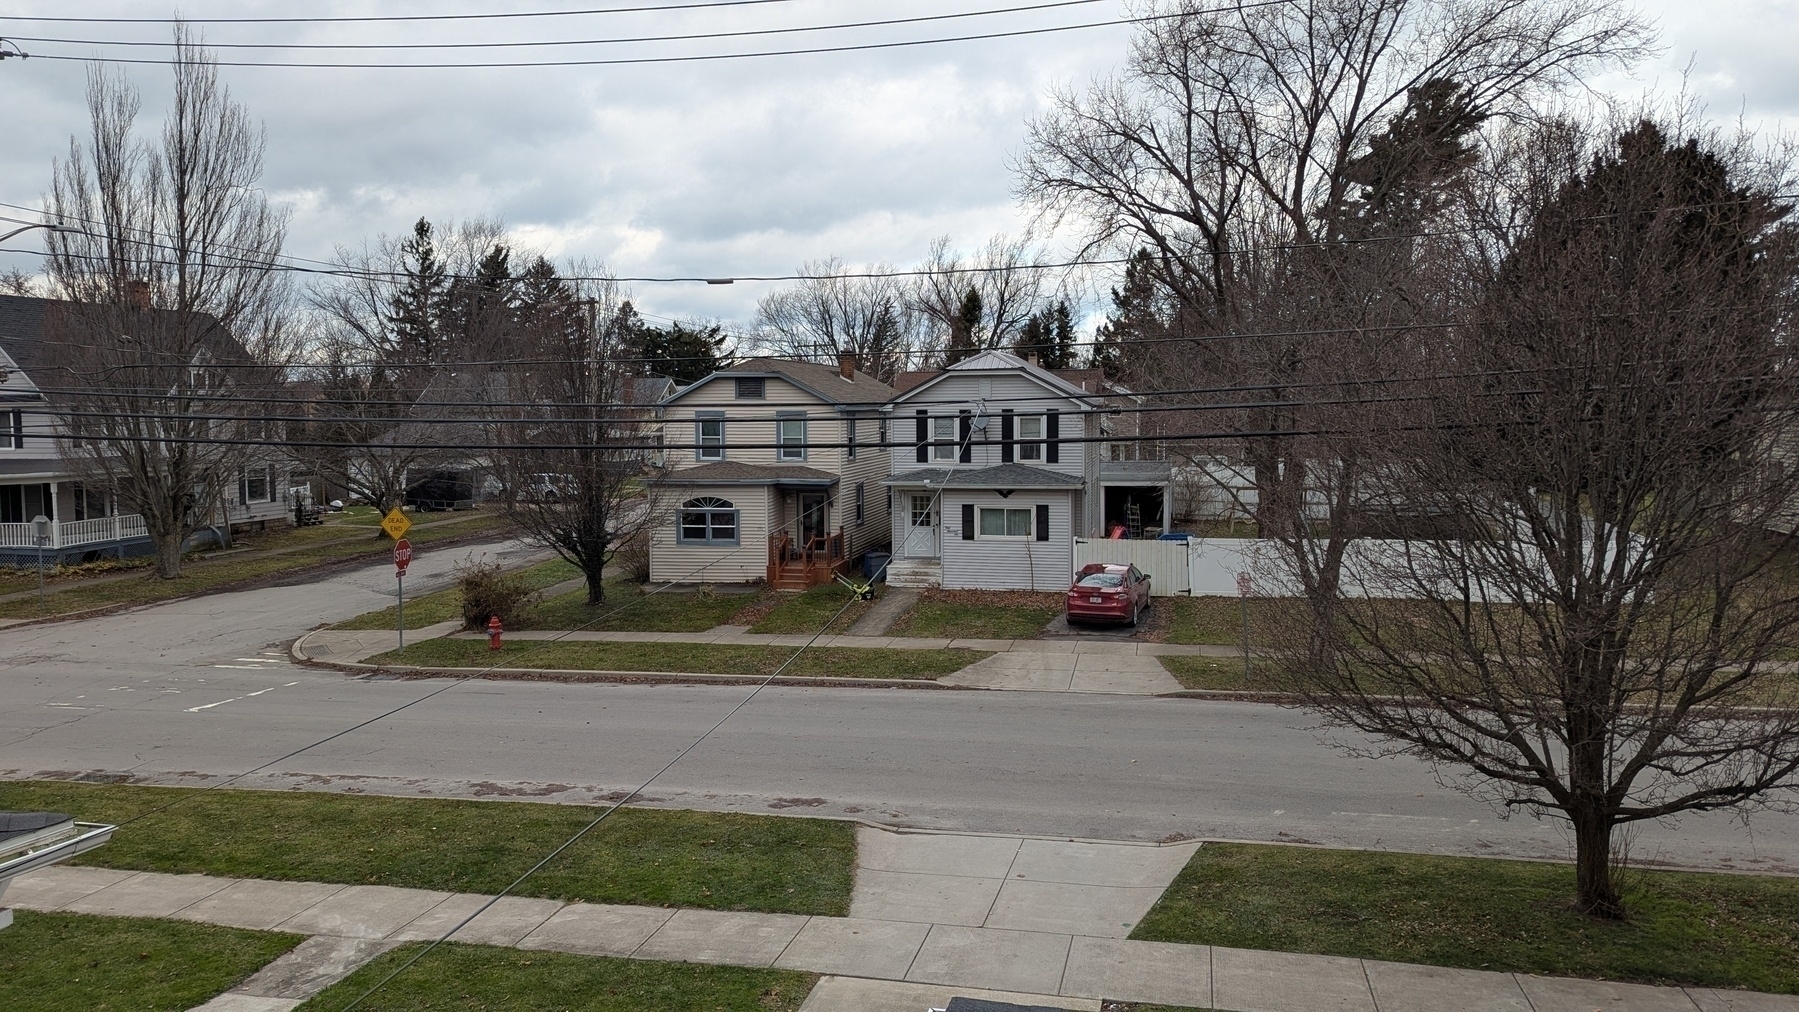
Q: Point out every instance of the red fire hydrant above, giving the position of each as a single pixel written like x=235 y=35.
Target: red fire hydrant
x=494 y=629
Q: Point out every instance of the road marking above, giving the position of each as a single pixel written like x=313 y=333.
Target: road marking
x=1385 y=815
x=233 y=699
x=260 y=660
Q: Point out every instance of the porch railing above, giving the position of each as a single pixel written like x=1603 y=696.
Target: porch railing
x=75 y=533
x=814 y=561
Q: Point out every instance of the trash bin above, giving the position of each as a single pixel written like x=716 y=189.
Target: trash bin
x=874 y=565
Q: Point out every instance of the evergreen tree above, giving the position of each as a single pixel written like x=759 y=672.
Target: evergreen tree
x=416 y=309
x=1137 y=314
x=684 y=352
x=1049 y=334
x=963 y=328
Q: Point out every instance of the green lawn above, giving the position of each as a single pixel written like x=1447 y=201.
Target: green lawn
x=313 y=546
x=479 y=978
x=125 y=964
x=807 y=612
x=430 y=609
x=652 y=858
x=635 y=607
x=703 y=658
x=1685 y=928
x=978 y=615
x=1217 y=621
x=1219 y=674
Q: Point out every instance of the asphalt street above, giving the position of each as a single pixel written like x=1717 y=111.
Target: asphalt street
x=194 y=691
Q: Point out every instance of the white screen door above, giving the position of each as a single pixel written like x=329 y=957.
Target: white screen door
x=921 y=529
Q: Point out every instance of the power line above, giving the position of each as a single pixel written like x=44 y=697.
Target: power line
x=629 y=60
x=839 y=26
x=704 y=4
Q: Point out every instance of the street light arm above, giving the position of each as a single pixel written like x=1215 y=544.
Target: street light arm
x=27 y=228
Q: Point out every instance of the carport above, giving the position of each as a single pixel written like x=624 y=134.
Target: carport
x=1136 y=496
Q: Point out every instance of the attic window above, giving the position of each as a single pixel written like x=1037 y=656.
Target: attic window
x=752 y=388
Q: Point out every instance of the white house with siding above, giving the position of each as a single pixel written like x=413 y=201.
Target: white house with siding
x=774 y=472
x=997 y=466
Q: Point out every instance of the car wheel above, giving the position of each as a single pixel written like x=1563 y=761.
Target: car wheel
x=1134 y=612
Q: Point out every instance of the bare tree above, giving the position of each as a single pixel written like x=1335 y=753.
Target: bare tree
x=1232 y=143
x=174 y=300
x=579 y=484
x=1602 y=638
x=1008 y=285
x=834 y=312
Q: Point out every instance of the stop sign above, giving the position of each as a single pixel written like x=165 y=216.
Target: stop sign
x=402 y=554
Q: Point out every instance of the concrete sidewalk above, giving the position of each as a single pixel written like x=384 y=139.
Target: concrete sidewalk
x=1063 y=665
x=875 y=964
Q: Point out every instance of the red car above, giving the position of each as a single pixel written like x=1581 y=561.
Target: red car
x=1108 y=591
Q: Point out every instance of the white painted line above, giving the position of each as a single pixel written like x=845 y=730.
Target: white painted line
x=233 y=699
x=259 y=660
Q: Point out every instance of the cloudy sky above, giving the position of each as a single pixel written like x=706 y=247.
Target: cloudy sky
x=722 y=168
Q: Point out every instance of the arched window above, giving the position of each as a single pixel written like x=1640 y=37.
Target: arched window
x=707 y=520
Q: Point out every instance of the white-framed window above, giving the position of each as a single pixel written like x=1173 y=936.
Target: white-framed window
x=707 y=520
x=1030 y=437
x=1004 y=522
x=920 y=511
x=790 y=436
x=13 y=437
x=709 y=437
x=255 y=487
x=849 y=436
x=943 y=439
x=861 y=499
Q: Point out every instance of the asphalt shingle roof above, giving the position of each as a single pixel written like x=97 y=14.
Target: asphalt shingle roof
x=731 y=472
x=999 y=476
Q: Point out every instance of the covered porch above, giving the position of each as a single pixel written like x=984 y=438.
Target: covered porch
x=806 y=545
x=82 y=526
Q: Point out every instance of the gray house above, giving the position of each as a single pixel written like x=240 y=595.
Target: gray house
x=997 y=466
x=35 y=479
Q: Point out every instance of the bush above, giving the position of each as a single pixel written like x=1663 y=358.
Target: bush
x=633 y=556
x=486 y=591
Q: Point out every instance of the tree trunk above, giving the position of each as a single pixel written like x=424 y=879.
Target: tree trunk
x=596 y=589
x=168 y=554
x=1595 y=893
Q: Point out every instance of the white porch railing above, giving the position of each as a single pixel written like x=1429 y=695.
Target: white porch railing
x=100 y=530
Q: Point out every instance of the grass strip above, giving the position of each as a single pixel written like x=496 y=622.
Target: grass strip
x=126 y=964
x=204 y=575
x=808 y=611
x=1220 y=674
x=1687 y=928
x=701 y=658
x=720 y=861
x=479 y=978
x=632 y=607
x=443 y=605
x=940 y=615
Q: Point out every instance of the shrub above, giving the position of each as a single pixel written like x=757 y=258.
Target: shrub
x=633 y=556
x=486 y=591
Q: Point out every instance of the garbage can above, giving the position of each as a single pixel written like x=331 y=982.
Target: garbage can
x=874 y=565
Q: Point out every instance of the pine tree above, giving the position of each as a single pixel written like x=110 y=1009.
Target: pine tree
x=415 y=312
x=1137 y=314
x=963 y=327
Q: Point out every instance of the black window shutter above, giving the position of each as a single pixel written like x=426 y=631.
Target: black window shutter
x=967 y=438
x=1005 y=436
x=968 y=521
x=1052 y=431
x=924 y=437
x=1043 y=521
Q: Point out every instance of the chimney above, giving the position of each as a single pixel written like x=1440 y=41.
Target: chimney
x=1030 y=357
x=846 y=365
x=630 y=390
x=137 y=295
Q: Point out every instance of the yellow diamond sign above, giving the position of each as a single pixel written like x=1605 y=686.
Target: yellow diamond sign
x=395 y=524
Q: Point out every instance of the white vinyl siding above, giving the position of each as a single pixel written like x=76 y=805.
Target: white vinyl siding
x=996 y=563
x=1025 y=397
x=674 y=560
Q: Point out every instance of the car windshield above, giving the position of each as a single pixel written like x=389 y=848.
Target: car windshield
x=1100 y=580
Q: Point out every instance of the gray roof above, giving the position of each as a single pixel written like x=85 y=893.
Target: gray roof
x=1001 y=476
x=731 y=472
x=815 y=377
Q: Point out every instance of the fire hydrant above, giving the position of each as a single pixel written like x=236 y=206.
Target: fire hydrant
x=494 y=629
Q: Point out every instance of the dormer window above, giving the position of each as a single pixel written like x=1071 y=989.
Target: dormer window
x=752 y=388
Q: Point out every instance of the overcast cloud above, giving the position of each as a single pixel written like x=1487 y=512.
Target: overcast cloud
x=699 y=169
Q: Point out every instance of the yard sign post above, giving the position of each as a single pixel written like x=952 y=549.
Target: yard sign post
x=1244 y=588
x=402 y=559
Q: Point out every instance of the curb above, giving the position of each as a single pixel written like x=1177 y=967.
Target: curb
x=624 y=677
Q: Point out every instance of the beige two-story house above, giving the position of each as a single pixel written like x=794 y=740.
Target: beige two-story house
x=775 y=472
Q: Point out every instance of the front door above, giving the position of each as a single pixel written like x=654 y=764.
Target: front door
x=812 y=517
x=921 y=528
